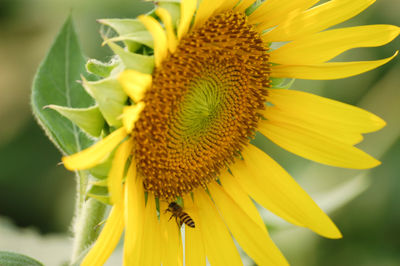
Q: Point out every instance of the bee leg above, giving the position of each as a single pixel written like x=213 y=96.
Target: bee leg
x=178 y=223
x=171 y=217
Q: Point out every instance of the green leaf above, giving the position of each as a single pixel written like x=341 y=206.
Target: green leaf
x=15 y=259
x=56 y=83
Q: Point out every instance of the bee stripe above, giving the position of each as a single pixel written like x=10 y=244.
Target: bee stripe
x=187 y=220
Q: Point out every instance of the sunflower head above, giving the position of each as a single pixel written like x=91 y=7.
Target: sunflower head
x=202 y=107
x=186 y=95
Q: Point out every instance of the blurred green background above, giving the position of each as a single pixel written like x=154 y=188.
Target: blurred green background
x=37 y=195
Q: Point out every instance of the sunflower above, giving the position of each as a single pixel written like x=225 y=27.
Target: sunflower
x=191 y=98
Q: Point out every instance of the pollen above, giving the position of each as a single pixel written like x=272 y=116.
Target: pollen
x=203 y=106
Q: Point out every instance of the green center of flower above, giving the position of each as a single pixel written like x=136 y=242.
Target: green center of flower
x=202 y=107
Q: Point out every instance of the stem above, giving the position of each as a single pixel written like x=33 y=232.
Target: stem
x=88 y=215
x=82 y=182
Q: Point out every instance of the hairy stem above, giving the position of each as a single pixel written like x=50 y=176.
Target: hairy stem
x=88 y=216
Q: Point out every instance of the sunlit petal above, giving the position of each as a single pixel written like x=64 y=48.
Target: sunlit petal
x=205 y=10
x=326 y=71
x=194 y=248
x=131 y=114
x=117 y=170
x=134 y=217
x=236 y=192
x=152 y=246
x=135 y=83
x=188 y=7
x=95 y=154
x=316 y=19
x=272 y=12
x=253 y=239
x=315 y=146
x=172 y=242
x=167 y=20
x=271 y=186
x=323 y=46
x=218 y=243
x=159 y=37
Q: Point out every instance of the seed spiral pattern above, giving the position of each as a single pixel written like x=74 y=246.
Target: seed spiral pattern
x=202 y=107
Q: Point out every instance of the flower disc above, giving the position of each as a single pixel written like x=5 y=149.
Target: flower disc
x=202 y=107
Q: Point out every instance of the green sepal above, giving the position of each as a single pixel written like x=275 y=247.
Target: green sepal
x=276 y=82
x=55 y=83
x=100 y=183
x=123 y=27
x=15 y=259
x=253 y=7
x=99 y=193
x=138 y=62
x=88 y=119
x=110 y=98
x=101 y=171
x=142 y=37
x=101 y=69
x=285 y=84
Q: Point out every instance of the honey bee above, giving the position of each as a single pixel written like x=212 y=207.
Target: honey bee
x=179 y=214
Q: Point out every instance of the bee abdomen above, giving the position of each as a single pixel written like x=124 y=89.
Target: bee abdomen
x=187 y=220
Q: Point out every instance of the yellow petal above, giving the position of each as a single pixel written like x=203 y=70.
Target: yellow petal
x=317 y=19
x=218 y=243
x=194 y=248
x=108 y=238
x=274 y=113
x=327 y=71
x=323 y=46
x=151 y=245
x=314 y=146
x=134 y=217
x=250 y=182
x=95 y=154
x=254 y=240
x=188 y=7
x=243 y=5
x=173 y=255
x=131 y=114
x=226 y=5
x=205 y=10
x=167 y=20
x=320 y=111
x=135 y=83
x=159 y=37
x=271 y=186
x=272 y=12
x=236 y=192
x=116 y=173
